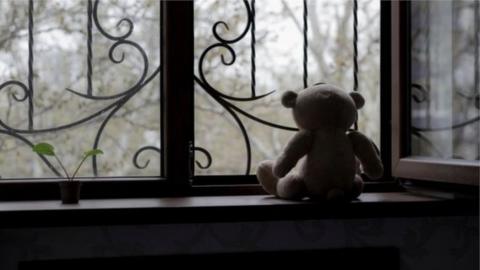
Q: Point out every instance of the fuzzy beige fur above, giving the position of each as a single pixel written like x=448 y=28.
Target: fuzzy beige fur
x=327 y=153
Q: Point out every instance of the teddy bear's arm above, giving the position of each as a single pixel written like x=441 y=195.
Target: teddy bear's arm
x=296 y=148
x=366 y=153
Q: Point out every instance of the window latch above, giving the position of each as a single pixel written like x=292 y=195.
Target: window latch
x=191 y=161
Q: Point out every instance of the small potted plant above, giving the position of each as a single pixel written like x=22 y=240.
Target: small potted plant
x=70 y=188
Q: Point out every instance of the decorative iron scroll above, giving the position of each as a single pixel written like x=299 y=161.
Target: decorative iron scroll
x=117 y=100
x=226 y=100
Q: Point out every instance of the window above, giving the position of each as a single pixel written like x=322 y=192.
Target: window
x=279 y=46
x=436 y=88
x=80 y=75
x=129 y=64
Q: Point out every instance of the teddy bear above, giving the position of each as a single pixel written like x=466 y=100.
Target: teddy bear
x=322 y=160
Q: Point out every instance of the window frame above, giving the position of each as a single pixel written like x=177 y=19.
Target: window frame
x=177 y=60
x=177 y=155
x=385 y=117
x=404 y=165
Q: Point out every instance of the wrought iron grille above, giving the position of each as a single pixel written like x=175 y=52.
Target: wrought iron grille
x=109 y=104
x=228 y=102
x=118 y=100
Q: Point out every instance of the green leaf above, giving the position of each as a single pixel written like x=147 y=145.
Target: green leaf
x=93 y=152
x=44 y=149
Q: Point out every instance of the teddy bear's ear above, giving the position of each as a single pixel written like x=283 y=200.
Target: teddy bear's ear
x=358 y=99
x=289 y=98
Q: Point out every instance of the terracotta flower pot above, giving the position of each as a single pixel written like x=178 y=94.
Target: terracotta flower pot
x=70 y=191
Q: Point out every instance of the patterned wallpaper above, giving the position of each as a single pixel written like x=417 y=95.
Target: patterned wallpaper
x=424 y=243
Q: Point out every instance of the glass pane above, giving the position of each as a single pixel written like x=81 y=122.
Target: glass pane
x=122 y=113
x=278 y=59
x=445 y=79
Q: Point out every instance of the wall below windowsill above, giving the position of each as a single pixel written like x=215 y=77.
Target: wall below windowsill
x=224 y=209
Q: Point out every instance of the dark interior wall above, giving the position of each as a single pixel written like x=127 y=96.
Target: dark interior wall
x=423 y=243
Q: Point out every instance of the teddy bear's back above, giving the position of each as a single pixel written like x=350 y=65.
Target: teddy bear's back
x=330 y=163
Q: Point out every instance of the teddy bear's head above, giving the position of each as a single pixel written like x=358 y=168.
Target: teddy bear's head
x=323 y=106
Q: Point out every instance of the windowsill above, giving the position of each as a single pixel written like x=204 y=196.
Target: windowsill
x=224 y=209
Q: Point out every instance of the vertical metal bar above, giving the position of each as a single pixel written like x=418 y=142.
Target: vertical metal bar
x=427 y=45
x=177 y=83
x=253 y=54
x=453 y=64
x=89 y=48
x=477 y=45
x=30 y=65
x=476 y=69
x=162 y=98
x=305 y=44
x=355 y=45
x=355 y=52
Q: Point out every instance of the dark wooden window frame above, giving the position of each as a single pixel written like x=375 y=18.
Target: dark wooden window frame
x=387 y=182
x=178 y=118
x=403 y=164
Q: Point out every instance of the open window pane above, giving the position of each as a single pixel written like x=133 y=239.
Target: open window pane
x=278 y=65
x=445 y=72
x=112 y=104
